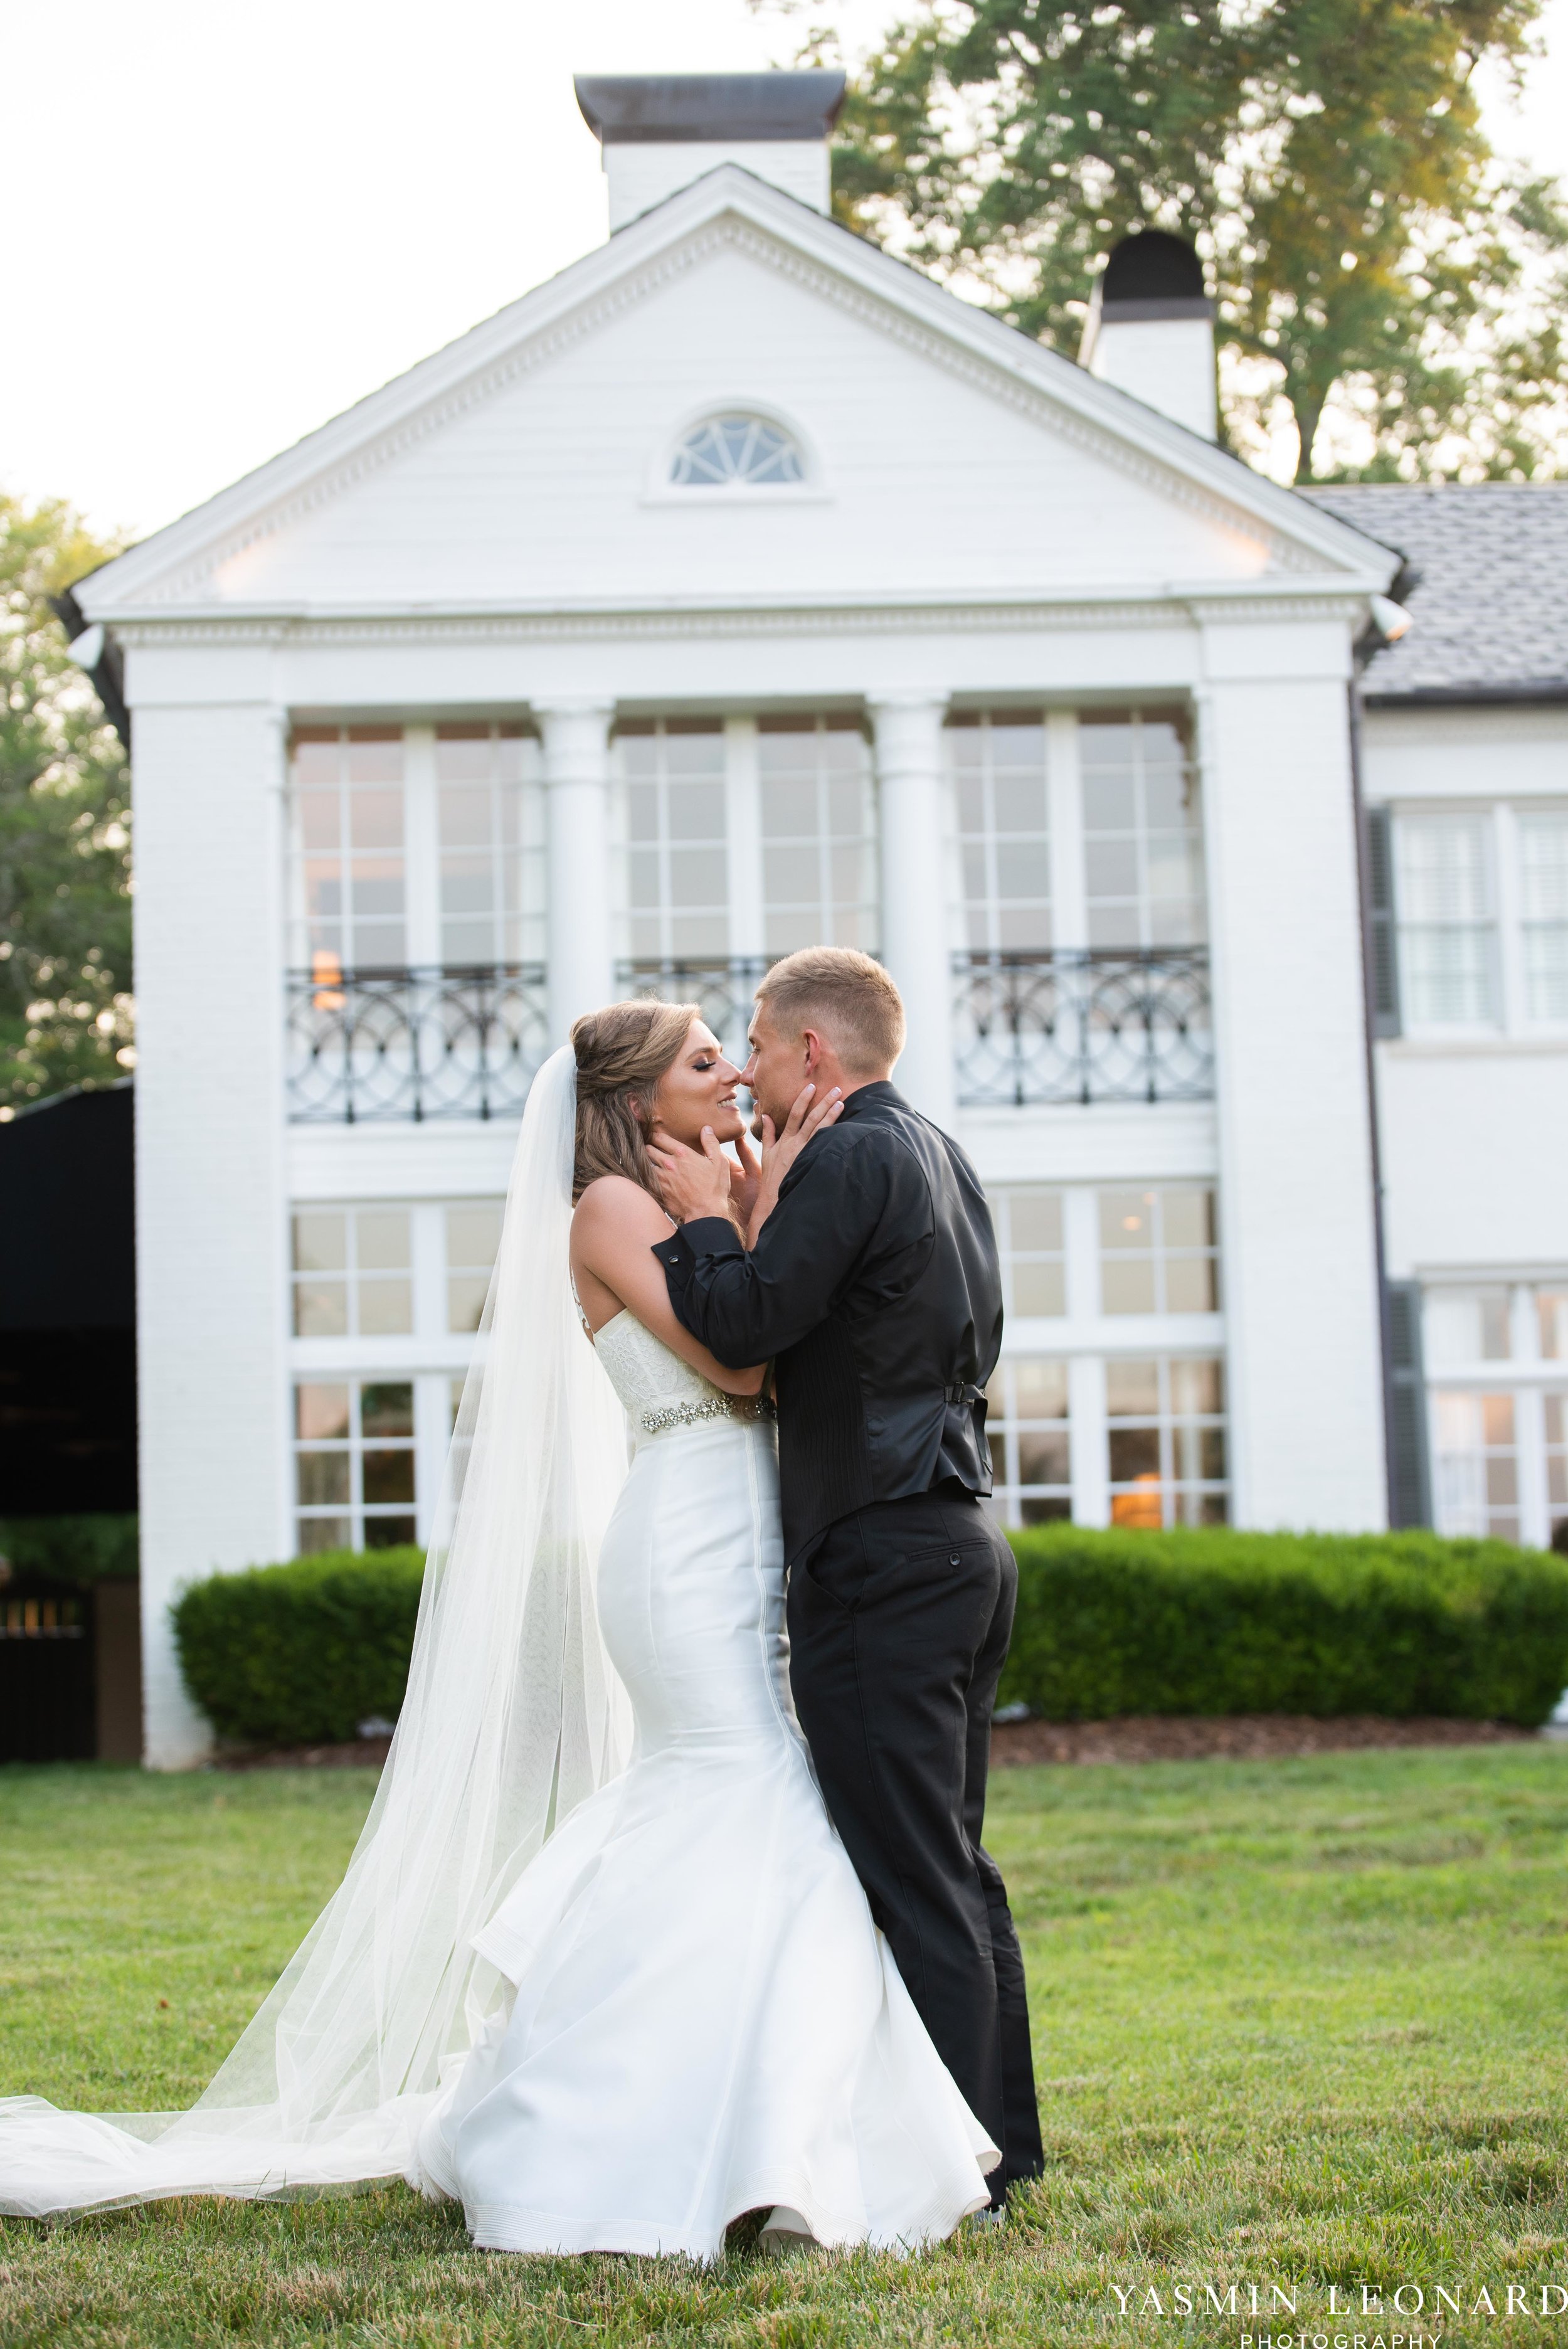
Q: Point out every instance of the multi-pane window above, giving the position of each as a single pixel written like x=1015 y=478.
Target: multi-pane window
x=352 y=1272
x=1082 y=1422
x=1159 y=1250
x=1166 y=1422
x=1554 y=1429
x=348 y=816
x=386 y=1301
x=353 y=1462
x=473 y=1236
x=489 y=815
x=1496 y=1416
x=677 y=828
x=1142 y=833
x=1028 y=1430
x=1031 y=1242
x=1476 y=1464
x=1543 y=913
x=1467 y=1325
x=1002 y=793
x=818 y=835
x=1448 y=931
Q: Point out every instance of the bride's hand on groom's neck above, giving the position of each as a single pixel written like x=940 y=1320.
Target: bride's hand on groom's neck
x=698 y=1183
x=692 y=1184
x=780 y=1151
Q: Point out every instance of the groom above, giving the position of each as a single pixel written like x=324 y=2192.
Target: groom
x=875 y=1285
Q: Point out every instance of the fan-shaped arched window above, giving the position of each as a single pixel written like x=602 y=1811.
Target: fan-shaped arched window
x=725 y=451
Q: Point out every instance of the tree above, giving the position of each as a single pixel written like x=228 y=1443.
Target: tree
x=66 y=1007
x=1374 y=266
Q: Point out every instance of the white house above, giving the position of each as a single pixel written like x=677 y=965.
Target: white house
x=739 y=588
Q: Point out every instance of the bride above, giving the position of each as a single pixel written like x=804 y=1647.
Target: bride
x=599 y=1967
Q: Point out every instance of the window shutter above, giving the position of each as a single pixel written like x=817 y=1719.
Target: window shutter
x=1409 y=1494
x=1384 y=976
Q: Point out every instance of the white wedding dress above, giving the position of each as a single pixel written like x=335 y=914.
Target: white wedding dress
x=706 y=2020
x=599 y=1966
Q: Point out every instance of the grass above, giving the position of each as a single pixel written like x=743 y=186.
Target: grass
x=1298 y=2023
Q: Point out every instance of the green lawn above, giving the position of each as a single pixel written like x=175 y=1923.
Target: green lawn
x=1302 y=2023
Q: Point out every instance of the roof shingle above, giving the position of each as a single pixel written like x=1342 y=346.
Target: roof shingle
x=1489 y=604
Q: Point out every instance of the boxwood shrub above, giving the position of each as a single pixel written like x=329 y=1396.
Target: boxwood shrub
x=1181 y=1622
x=299 y=1654
x=1216 y=1622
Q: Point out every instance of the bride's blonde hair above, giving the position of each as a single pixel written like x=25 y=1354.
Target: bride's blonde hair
x=622 y=1052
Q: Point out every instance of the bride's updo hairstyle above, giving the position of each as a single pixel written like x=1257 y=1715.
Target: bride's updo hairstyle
x=620 y=1053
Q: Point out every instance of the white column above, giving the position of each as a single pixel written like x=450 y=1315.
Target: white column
x=576 y=737
x=914 y=913
x=1299 y=1268
x=211 y=1201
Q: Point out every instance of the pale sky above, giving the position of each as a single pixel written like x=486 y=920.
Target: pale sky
x=228 y=223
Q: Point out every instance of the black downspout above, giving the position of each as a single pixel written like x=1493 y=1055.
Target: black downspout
x=1363 y=891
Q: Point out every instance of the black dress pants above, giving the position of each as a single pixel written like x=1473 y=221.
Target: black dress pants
x=899 y=1622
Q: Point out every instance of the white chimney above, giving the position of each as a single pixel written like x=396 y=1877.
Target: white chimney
x=1150 y=329
x=661 y=131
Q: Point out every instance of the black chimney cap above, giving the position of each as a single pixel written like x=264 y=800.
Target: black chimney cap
x=1152 y=274
x=660 y=109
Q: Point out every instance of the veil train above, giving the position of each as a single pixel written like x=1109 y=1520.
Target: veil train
x=513 y=1715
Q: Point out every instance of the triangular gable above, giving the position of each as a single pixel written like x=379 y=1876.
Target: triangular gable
x=728 y=211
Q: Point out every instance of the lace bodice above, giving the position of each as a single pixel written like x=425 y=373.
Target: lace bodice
x=660 y=1394
x=643 y=1370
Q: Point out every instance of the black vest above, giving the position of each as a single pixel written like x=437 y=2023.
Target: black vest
x=875 y=1288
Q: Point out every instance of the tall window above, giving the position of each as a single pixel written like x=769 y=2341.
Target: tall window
x=1167 y=1426
x=1143 y=863
x=490 y=800
x=1083 y=1421
x=1443 y=895
x=1032 y=1245
x=352 y=1272
x=1027 y=1429
x=1477 y=1464
x=1159 y=1250
x=386 y=1300
x=473 y=1236
x=348 y=814
x=677 y=886
x=1004 y=829
x=353 y=1462
x=1543 y=908
x=818 y=835
x=1497 y=1407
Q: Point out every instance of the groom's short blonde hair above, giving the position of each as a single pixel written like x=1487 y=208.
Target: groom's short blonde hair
x=847 y=998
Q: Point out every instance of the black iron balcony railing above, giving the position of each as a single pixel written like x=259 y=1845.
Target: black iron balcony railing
x=390 y=1046
x=721 y=985
x=1089 y=1025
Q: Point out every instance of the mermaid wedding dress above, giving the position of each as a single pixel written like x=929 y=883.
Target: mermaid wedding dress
x=599 y=1966
x=706 y=2019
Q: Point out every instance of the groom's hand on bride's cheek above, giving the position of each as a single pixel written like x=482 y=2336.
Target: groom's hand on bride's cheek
x=692 y=1183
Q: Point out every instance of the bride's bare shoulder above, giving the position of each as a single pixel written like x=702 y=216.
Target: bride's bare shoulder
x=615 y=1204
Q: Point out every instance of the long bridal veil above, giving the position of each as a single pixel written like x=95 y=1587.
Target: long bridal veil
x=513 y=1716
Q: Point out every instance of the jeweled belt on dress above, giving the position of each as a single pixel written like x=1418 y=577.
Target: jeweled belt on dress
x=659 y=1418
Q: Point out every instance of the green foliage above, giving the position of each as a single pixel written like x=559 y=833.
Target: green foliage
x=1222 y=1622
x=1108 y=1623
x=66 y=1007
x=301 y=1653
x=1372 y=262
x=99 y=1548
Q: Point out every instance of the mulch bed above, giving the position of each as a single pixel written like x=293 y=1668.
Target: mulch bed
x=1246 y=1736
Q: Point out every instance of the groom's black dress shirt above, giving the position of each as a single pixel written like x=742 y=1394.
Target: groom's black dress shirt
x=874 y=1288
